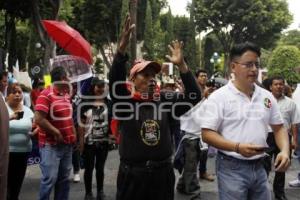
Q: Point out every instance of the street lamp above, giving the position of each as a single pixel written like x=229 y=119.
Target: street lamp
x=215 y=59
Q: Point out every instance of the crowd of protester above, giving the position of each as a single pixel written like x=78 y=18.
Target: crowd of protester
x=158 y=127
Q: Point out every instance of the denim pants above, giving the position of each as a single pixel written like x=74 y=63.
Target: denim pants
x=203 y=161
x=56 y=165
x=241 y=180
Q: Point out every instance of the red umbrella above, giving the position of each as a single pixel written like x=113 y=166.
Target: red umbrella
x=69 y=39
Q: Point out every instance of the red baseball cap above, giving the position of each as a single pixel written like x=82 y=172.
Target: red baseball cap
x=140 y=65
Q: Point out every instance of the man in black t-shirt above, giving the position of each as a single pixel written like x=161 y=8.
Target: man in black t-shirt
x=144 y=113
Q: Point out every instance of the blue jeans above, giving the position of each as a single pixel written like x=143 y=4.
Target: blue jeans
x=241 y=180
x=56 y=165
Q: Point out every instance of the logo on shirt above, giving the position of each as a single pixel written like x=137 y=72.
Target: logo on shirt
x=267 y=103
x=150 y=132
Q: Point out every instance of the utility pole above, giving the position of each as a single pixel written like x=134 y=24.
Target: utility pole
x=133 y=12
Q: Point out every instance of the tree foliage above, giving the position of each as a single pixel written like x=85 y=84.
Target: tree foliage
x=291 y=37
x=12 y=12
x=190 y=50
x=149 y=33
x=211 y=45
x=100 y=21
x=235 y=21
x=183 y=32
x=167 y=26
x=156 y=7
x=265 y=57
x=283 y=62
x=124 y=12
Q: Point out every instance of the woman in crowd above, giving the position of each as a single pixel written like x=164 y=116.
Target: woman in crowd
x=20 y=145
x=94 y=136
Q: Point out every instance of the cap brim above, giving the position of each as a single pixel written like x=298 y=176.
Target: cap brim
x=156 y=66
x=142 y=65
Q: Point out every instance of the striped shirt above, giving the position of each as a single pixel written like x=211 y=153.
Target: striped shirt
x=58 y=108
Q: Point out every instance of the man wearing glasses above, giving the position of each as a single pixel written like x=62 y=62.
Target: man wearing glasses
x=236 y=122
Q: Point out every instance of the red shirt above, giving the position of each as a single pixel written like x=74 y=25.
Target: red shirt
x=34 y=95
x=58 y=108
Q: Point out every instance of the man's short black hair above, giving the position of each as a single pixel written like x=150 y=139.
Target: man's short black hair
x=239 y=49
x=97 y=81
x=58 y=74
x=267 y=83
x=276 y=78
x=3 y=74
x=200 y=71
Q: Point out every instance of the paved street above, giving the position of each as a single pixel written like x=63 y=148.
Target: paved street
x=209 y=189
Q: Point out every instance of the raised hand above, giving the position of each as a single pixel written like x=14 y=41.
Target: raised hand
x=125 y=36
x=176 y=56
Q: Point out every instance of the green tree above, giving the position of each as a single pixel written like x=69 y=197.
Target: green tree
x=159 y=42
x=13 y=11
x=31 y=13
x=124 y=12
x=291 y=37
x=154 y=38
x=149 y=33
x=99 y=23
x=265 y=57
x=167 y=26
x=181 y=30
x=190 y=49
x=283 y=62
x=99 y=67
x=259 y=21
x=156 y=7
x=211 y=45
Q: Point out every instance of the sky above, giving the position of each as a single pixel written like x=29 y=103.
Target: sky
x=178 y=7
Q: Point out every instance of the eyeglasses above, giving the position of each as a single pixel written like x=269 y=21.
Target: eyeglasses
x=203 y=76
x=250 y=64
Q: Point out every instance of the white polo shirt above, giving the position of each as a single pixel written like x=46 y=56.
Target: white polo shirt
x=187 y=122
x=289 y=113
x=237 y=118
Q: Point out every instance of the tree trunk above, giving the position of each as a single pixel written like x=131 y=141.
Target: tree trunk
x=192 y=41
x=48 y=44
x=133 y=11
x=10 y=40
x=226 y=42
x=227 y=69
x=107 y=63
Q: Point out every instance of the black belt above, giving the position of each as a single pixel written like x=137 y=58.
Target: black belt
x=148 y=164
x=227 y=157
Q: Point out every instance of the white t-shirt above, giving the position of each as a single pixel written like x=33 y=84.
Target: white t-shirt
x=187 y=122
x=96 y=129
x=191 y=124
x=237 y=118
x=296 y=97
